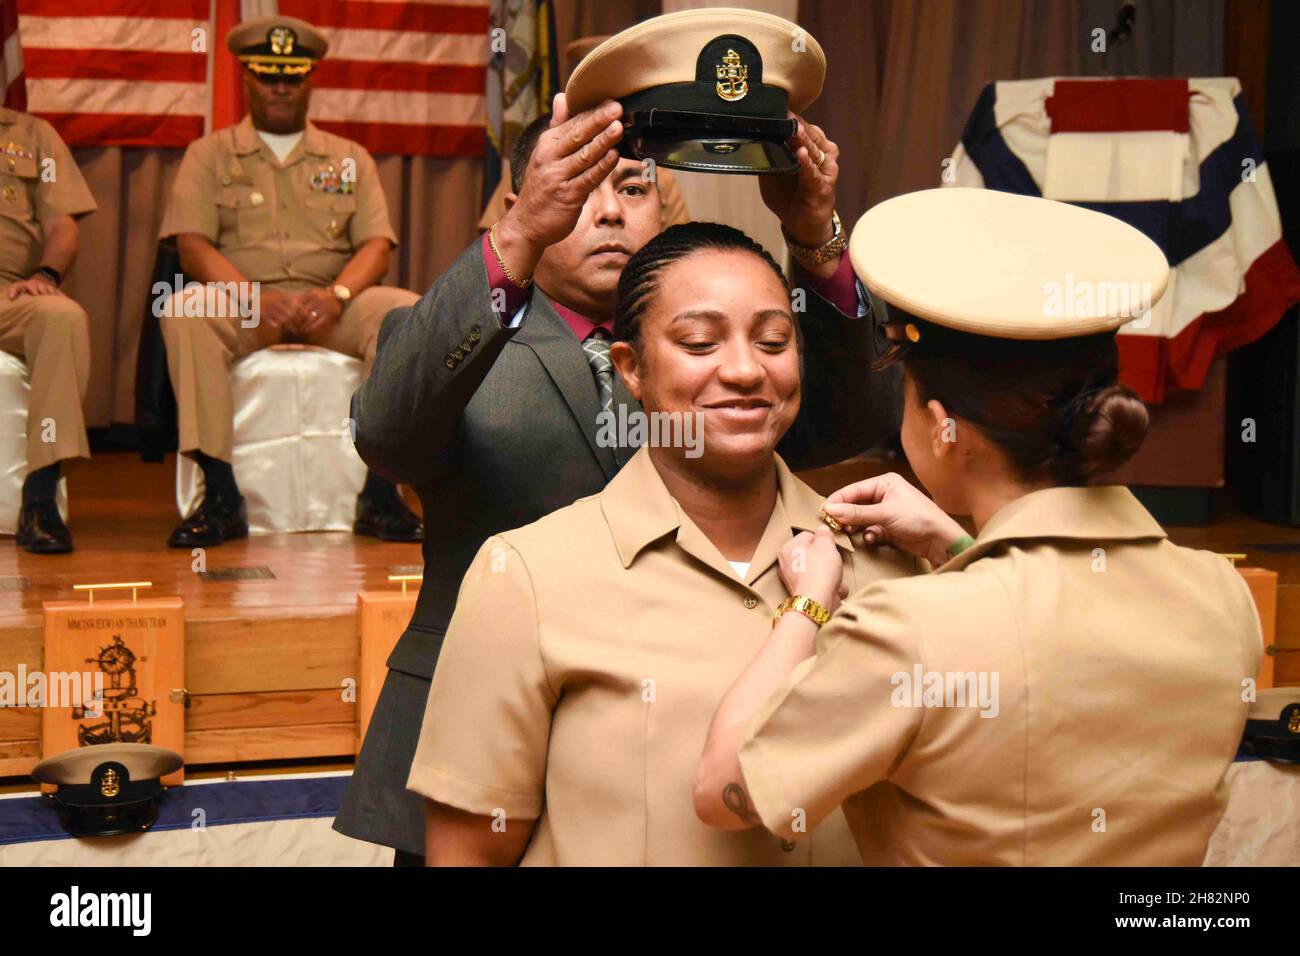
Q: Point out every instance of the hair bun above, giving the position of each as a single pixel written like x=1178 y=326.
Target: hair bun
x=1105 y=428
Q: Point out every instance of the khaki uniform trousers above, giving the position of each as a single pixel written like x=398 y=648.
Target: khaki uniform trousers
x=51 y=334
x=201 y=350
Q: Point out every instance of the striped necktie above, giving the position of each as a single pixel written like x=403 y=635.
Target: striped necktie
x=596 y=347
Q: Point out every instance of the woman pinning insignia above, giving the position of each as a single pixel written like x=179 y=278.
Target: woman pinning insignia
x=1067 y=687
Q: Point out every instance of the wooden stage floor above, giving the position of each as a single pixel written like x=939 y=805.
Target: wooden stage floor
x=283 y=645
x=121 y=511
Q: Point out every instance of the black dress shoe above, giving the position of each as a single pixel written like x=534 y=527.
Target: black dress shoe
x=387 y=518
x=215 y=521
x=41 y=530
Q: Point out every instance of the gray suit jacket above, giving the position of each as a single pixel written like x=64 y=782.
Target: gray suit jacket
x=505 y=434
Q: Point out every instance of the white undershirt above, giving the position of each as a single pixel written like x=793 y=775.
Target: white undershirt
x=281 y=144
x=741 y=568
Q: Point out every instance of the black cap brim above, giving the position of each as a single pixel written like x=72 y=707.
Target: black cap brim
x=107 y=819
x=709 y=142
x=715 y=155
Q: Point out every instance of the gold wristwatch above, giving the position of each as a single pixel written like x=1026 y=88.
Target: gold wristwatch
x=810 y=257
x=806 y=606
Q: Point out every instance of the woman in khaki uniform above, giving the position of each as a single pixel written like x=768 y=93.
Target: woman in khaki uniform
x=1069 y=688
x=589 y=649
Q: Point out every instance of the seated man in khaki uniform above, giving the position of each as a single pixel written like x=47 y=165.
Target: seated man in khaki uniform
x=41 y=193
x=299 y=214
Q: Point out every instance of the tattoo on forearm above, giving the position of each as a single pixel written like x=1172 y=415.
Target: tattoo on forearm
x=737 y=801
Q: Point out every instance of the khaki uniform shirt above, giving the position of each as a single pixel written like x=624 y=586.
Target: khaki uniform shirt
x=582 y=667
x=33 y=190
x=1120 y=660
x=298 y=223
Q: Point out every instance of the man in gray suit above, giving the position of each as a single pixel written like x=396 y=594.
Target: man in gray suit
x=486 y=395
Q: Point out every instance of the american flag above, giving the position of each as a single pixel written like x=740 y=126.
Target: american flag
x=1175 y=158
x=401 y=77
x=116 y=72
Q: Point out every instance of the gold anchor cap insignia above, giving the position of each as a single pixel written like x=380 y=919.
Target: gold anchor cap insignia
x=282 y=40
x=733 y=77
x=110 y=785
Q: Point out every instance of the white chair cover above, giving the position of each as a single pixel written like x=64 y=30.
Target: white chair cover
x=14 y=391
x=293 y=458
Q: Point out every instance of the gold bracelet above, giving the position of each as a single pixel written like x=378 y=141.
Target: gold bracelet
x=813 y=610
x=492 y=242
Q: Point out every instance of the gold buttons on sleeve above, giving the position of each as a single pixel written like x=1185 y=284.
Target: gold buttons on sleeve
x=751 y=602
x=461 y=352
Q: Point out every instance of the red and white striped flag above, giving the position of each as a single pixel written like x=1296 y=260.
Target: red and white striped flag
x=404 y=77
x=117 y=72
x=401 y=77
